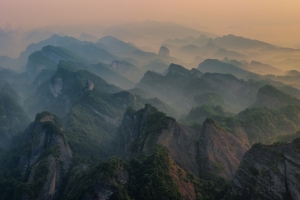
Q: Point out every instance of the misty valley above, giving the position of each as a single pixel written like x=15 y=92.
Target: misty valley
x=147 y=110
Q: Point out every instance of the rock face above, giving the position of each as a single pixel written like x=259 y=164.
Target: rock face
x=49 y=153
x=141 y=133
x=269 y=172
x=103 y=186
x=117 y=179
x=56 y=85
x=89 y=85
x=219 y=152
x=164 y=51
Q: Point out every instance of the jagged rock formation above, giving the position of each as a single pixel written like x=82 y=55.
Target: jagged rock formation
x=269 y=172
x=89 y=85
x=46 y=137
x=143 y=129
x=164 y=51
x=219 y=152
x=138 y=178
x=42 y=160
x=56 y=85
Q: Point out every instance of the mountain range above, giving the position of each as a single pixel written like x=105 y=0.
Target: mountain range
x=200 y=117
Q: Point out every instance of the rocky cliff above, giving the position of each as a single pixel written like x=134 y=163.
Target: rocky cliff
x=47 y=158
x=219 y=152
x=269 y=172
x=144 y=129
x=137 y=178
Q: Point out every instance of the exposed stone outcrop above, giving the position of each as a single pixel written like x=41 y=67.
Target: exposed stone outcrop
x=139 y=137
x=49 y=150
x=104 y=186
x=89 y=85
x=219 y=152
x=56 y=85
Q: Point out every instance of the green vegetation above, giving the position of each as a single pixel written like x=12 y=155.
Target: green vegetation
x=219 y=166
x=209 y=99
x=32 y=190
x=262 y=124
x=104 y=175
x=278 y=98
x=151 y=122
x=150 y=176
x=15 y=181
x=200 y=113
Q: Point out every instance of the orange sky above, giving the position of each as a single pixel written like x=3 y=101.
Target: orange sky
x=273 y=21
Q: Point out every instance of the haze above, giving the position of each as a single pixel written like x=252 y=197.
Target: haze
x=276 y=22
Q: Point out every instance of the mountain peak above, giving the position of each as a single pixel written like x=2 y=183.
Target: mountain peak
x=164 y=51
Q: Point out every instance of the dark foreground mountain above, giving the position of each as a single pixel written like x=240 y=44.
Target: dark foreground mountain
x=37 y=167
x=189 y=147
x=150 y=176
x=269 y=172
x=43 y=166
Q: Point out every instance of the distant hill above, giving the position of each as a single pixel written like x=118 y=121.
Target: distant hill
x=182 y=85
x=158 y=66
x=221 y=53
x=116 y=45
x=87 y=37
x=217 y=66
x=255 y=67
x=271 y=97
x=292 y=73
x=111 y=75
x=152 y=29
x=48 y=58
x=233 y=42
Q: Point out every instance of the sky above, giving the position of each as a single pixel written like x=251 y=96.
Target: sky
x=274 y=21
